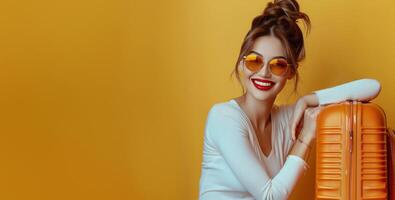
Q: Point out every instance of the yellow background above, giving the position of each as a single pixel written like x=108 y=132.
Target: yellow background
x=108 y=99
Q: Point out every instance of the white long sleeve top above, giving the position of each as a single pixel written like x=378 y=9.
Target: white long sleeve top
x=233 y=165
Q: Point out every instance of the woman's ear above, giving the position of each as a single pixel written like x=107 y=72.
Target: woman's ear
x=290 y=75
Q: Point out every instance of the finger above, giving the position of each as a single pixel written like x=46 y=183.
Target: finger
x=310 y=111
x=318 y=109
x=296 y=118
x=292 y=127
x=316 y=112
x=303 y=114
x=292 y=131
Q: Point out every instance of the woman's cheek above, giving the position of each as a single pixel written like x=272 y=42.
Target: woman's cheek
x=242 y=75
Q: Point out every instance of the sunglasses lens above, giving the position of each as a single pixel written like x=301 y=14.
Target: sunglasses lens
x=253 y=62
x=278 y=66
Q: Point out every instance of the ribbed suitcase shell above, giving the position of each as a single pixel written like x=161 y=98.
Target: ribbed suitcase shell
x=391 y=163
x=351 y=160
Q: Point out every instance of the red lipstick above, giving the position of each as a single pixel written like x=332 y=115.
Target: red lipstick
x=262 y=84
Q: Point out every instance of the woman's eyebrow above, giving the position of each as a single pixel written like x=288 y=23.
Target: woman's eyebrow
x=255 y=52
x=279 y=57
x=262 y=55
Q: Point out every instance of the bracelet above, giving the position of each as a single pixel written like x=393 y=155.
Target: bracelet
x=308 y=148
x=301 y=141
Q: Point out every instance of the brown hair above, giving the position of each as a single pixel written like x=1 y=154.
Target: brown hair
x=279 y=18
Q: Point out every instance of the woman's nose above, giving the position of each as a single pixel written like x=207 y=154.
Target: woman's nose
x=265 y=72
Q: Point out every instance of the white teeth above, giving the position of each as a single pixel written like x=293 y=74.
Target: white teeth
x=262 y=83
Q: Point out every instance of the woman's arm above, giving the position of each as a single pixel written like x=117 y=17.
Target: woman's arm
x=361 y=90
x=227 y=132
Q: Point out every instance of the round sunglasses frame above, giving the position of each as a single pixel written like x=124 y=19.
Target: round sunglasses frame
x=285 y=72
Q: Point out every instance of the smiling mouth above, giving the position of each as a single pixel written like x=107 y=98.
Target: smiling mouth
x=262 y=84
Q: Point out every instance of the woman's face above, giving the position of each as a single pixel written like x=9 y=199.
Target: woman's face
x=268 y=47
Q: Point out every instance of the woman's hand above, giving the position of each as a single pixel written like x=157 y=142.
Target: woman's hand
x=300 y=107
x=308 y=132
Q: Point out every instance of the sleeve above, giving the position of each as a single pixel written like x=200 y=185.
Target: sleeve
x=231 y=139
x=361 y=90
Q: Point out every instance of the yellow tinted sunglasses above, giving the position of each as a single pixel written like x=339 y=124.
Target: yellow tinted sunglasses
x=277 y=65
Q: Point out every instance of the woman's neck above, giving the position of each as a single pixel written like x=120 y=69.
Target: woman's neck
x=257 y=111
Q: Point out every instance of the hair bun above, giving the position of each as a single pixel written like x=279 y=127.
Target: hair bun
x=280 y=8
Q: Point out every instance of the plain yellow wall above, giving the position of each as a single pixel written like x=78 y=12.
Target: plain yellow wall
x=108 y=99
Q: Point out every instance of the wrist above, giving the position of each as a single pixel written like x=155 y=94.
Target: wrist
x=301 y=149
x=306 y=138
x=304 y=141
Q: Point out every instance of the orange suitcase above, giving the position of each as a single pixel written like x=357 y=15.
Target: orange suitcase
x=351 y=152
x=391 y=162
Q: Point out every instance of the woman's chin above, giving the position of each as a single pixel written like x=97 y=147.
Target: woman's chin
x=263 y=96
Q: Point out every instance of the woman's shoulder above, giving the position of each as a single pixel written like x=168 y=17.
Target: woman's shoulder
x=225 y=108
x=227 y=112
x=224 y=118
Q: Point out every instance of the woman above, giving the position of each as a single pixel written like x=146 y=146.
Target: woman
x=252 y=148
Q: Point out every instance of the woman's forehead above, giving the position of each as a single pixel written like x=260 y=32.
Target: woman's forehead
x=268 y=47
